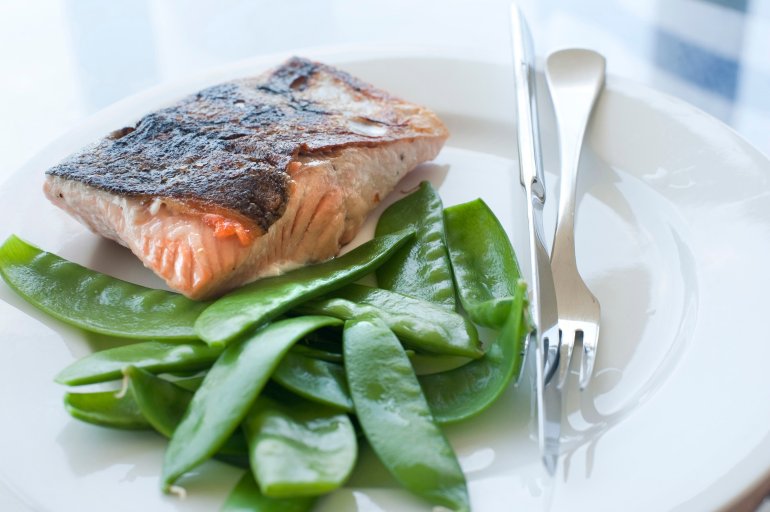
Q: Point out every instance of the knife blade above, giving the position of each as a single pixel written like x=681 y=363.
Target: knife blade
x=545 y=338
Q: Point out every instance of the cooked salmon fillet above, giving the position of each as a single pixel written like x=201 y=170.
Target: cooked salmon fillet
x=249 y=178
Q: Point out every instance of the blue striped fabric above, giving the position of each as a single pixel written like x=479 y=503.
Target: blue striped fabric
x=696 y=65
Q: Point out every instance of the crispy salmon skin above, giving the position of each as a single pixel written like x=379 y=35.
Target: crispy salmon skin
x=249 y=178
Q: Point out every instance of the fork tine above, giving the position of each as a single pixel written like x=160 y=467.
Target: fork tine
x=525 y=357
x=565 y=355
x=590 y=340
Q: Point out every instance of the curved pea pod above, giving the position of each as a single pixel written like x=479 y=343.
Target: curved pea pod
x=299 y=448
x=464 y=392
x=246 y=497
x=106 y=409
x=421 y=267
x=93 y=301
x=315 y=379
x=229 y=389
x=256 y=303
x=395 y=416
x=419 y=324
x=164 y=404
x=153 y=356
x=483 y=262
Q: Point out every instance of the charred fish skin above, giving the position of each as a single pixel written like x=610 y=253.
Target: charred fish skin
x=229 y=145
x=247 y=178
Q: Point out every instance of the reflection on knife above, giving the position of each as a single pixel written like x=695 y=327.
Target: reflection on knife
x=545 y=338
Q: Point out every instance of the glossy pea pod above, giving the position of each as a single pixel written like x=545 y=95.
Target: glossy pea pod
x=421 y=267
x=163 y=403
x=419 y=324
x=246 y=497
x=228 y=391
x=321 y=381
x=93 y=301
x=115 y=409
x=153 y=356
x=106 y=409
x=259 y=302
x=299 y=448
x=391 y=408
x=485 y=268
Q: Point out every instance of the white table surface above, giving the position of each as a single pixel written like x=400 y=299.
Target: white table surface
x=63 y=60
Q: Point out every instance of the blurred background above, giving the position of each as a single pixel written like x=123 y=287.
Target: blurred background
x=62 y=60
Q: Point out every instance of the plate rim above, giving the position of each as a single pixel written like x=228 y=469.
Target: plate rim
x=339 y=54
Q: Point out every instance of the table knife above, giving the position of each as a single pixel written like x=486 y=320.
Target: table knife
x=545 y=337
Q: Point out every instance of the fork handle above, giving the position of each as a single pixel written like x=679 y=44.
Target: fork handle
x=575 y=79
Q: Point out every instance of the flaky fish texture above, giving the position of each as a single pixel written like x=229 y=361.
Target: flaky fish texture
x=249 y=178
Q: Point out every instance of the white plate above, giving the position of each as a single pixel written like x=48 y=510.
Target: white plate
x=673 y=237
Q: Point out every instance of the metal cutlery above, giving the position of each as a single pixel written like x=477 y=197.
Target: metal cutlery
x=575 y=79
x=545 y=338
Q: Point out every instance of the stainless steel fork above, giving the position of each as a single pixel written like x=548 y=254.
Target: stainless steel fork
x=575 y=79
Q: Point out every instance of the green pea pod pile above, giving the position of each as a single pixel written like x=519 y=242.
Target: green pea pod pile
x=466 y=391
x=273 y=377
x=233 y=383
x=420 y=324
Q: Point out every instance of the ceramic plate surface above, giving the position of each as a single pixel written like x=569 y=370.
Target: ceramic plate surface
x=673 y=233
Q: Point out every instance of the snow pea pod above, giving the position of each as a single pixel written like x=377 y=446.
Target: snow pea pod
x=464 y=392
x=321 y=381
x=263 y=300
x=105 y=409
x=421 y=267
x=229 y=389
x=419 y=324
x=246 y=497
x=299 y=448
x=392 y=408
x=154 y=356
x=484 y=264
x=93 y=301
x=164 y=404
